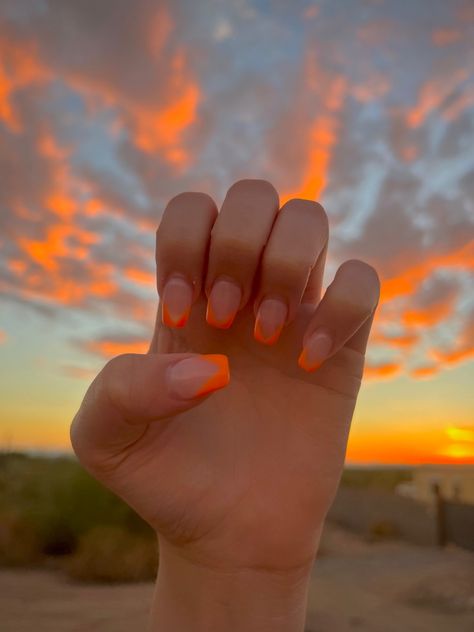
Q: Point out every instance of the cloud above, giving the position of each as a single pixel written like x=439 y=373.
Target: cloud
x=381 y=371
x=424 y=371
x=435 y=301
x=19 y=68
x=461 y=433
x=77 y=372
x=462 y=347
x=106 y=113
x=115 y=343
x=446 y=36
x=3 y=337
x=403 y=340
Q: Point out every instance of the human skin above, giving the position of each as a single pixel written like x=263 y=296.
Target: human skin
x=235 y=469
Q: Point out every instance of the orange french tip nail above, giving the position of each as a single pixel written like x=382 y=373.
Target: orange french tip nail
x=221 y=377
x=212 y=320
x=174 y=322
x=304 y=364
x=258 y=335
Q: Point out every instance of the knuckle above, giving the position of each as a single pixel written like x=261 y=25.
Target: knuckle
x=114 y=380
x=232 y=248
x=167 y=247
x=288 y=273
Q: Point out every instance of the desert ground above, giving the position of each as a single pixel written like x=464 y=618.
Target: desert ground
x=356 y=586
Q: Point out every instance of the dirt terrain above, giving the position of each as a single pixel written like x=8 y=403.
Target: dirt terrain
x=356 y=586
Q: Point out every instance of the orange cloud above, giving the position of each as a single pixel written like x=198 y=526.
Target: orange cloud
x=311 y=11
x=374 y=87
x=162 y=130
x=407 y=282
x=431 y=96
x=156 y=126
x=388 y=369
x=160 y=29
x=429 y=316
x=445 y=36
x=463 y=348
x=321 y=137
x=425 y=371
x=64 y=291
x=61 y=240
x=17 y=266
x=61 y=204
x=463 y=102
x=138 y=275
x=375 y=33
x=453 y=357
x=404 y=341
x=108 y=348
x=93 y=207
x=48 y=147
x=78 y=372
x=3 y=336
x=19 y=67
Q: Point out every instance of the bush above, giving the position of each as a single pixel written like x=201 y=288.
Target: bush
x=383 y=530
x=19 y=542
x=112 y=554
x=48 y=504
x=375 y=478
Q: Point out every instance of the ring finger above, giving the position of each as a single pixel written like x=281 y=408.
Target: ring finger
x=292 y=266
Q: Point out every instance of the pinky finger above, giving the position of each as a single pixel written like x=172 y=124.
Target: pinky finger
x=348 y=303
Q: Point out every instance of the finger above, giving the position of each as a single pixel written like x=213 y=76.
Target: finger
x=237 y=241
x=293 y=258
x=134 y=390
x=349 y=302
x=182 y=242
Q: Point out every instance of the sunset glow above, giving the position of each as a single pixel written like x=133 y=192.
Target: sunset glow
x=345 y=105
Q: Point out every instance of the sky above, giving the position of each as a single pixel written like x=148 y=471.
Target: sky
x=110 y=108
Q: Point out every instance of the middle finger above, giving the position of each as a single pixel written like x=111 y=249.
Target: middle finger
x=238 y=238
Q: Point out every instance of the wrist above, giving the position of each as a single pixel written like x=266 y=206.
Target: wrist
x=191 y=597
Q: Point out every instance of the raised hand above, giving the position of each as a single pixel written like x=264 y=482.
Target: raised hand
x=235 y=464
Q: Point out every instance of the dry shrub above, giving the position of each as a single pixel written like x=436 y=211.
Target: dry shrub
x=383 y=530
x=19 y=542
x=113 y=554
x=48 y=504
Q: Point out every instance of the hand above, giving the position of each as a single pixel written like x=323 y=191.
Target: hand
x=239 y=480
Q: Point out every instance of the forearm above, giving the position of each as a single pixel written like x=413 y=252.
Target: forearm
x=193 y=598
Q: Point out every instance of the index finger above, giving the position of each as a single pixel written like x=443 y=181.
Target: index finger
x=182 y=242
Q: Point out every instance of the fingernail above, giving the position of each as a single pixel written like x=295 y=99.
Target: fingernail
x=315 y=351
x=224 y=301
x=270 y=319
x=176 y=302
x=198 y=375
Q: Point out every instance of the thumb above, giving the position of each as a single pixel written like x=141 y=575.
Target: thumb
x=134 y=390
